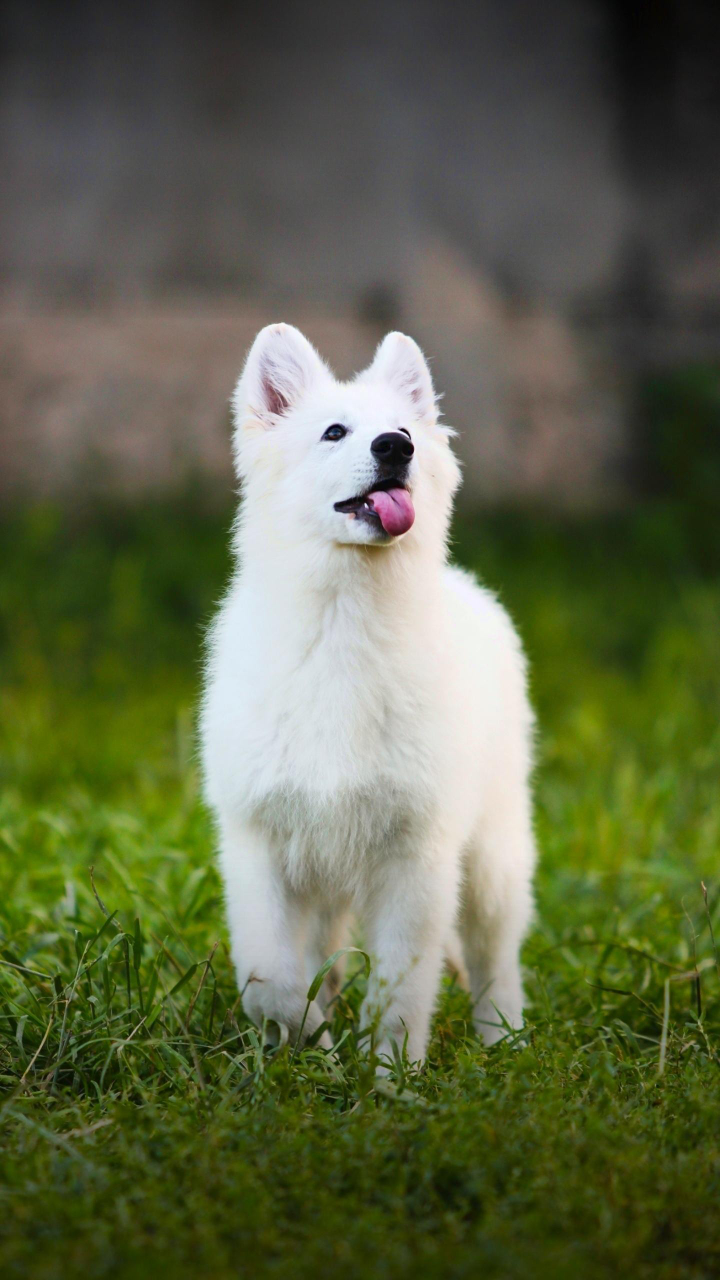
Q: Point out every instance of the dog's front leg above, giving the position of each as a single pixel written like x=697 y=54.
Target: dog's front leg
x=267 y=926
x=408 y=917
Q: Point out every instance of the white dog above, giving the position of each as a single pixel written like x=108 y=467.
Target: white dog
x=366 y=730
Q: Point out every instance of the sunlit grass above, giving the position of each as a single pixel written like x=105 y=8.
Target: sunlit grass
x=144 y=1123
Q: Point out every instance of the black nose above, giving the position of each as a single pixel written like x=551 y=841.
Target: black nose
x=393 y=448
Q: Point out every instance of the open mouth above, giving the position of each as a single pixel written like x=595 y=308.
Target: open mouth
x=387 y=503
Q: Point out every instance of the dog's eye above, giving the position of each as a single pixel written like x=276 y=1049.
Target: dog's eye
x=405 y=432
x=335 y=432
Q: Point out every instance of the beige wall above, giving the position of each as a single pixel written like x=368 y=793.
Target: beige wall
x=531 y=190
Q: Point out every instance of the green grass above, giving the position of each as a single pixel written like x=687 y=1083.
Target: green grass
x=143 y=1126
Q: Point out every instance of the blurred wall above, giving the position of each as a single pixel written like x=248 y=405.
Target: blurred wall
x=532 y=190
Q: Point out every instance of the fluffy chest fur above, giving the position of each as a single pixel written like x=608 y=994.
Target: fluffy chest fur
x=326 y=726
x=331 y=844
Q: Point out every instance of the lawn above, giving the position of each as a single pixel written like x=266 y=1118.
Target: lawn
x=142 y=1124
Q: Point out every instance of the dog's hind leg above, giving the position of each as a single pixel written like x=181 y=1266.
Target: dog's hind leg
x=455 y=959
x=327 y=933
x=496 y=906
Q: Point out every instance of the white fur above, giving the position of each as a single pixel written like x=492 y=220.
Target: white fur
x=366 y=730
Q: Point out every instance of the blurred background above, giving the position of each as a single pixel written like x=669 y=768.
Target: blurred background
x=531 y=190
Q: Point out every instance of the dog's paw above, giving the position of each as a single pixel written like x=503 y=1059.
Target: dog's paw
x=267 y=1001
x=493 y=1023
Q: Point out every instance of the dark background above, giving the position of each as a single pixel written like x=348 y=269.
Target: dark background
x=532 y=190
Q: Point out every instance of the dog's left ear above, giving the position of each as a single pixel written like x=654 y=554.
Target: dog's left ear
x=399 y=361
x=280 y=368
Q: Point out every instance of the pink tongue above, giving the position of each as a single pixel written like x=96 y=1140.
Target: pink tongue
x=394 y=508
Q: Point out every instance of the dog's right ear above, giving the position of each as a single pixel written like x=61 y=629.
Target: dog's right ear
x=400 y=362
x=281 y=367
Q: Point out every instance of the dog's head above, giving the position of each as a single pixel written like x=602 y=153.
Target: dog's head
x=361 y=462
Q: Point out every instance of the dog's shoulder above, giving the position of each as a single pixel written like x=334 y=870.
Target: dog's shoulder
x=485 y=626
x=464 y=591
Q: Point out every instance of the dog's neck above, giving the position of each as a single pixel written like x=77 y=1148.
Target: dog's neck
x=313 y=585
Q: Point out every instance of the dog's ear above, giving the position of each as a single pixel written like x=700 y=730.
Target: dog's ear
x=401 y=363
x=281 y=367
